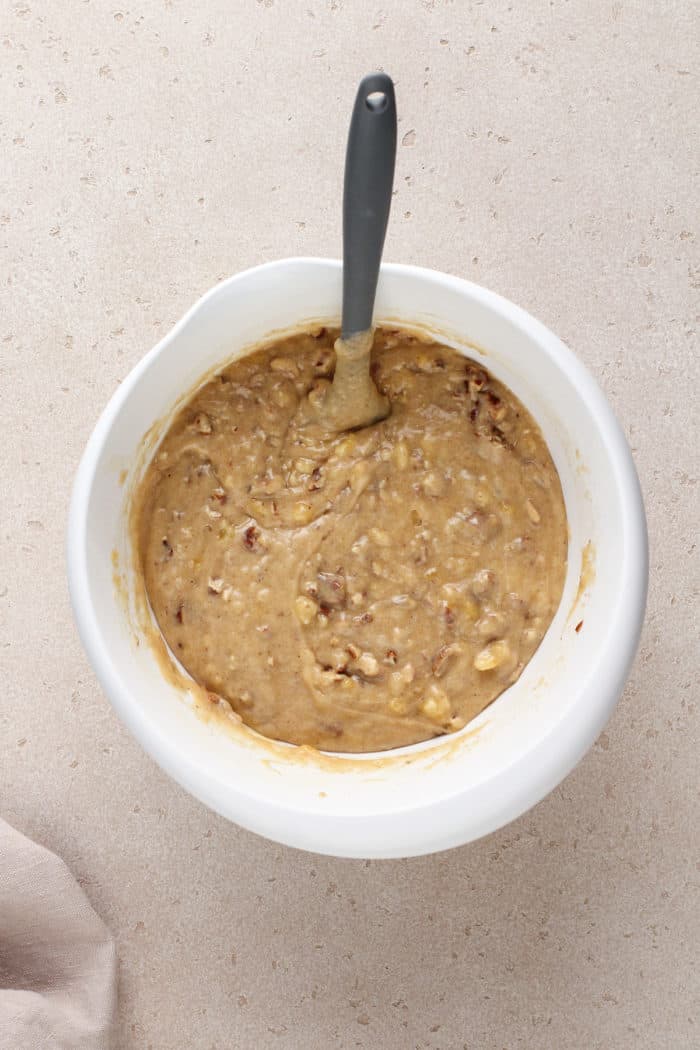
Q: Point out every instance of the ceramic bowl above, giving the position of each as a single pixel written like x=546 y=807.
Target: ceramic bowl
x=417 y=799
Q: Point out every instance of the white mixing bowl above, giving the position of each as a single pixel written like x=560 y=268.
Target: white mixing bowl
x=429 y=796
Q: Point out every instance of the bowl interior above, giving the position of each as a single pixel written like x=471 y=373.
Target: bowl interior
x=521 y=745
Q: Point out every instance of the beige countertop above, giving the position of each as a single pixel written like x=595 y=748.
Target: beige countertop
x=548 y=150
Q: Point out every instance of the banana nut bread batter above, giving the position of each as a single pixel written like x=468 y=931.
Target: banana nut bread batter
x=353 y=591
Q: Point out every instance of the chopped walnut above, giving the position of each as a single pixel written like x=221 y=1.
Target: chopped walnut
x=444 y=658
x=251 y=537
x=483 y=582
x=331 y=589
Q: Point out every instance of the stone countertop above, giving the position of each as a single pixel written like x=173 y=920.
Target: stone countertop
x=548 y=150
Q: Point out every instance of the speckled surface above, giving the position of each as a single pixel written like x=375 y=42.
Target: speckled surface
x=547 y=150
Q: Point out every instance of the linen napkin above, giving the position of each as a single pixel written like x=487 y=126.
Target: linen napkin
x=57 y=958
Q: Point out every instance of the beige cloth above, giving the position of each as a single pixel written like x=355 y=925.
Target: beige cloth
x=57 y=958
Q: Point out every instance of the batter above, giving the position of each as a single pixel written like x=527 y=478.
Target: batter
x=353 y=591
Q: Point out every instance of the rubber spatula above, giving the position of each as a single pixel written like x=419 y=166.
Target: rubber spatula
x=353 y=401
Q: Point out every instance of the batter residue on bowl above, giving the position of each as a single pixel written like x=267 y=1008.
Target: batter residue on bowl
x=354 y=591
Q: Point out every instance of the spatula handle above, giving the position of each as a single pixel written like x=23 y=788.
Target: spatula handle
x=369 y=178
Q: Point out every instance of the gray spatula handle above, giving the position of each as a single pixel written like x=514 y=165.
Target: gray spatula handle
x=369 y=178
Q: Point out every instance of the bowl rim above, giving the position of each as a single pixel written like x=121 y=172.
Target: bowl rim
x=499 y=799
